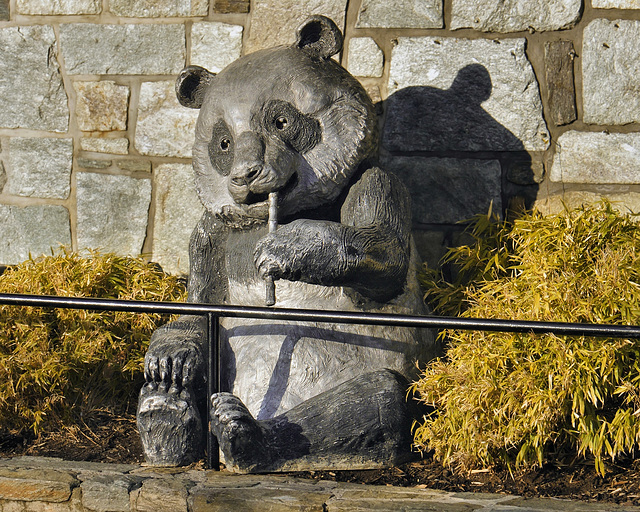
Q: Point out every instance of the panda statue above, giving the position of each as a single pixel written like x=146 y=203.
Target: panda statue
x=296 y=395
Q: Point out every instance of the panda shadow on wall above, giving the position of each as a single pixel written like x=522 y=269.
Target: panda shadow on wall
x=452 y=123
x=295 y=395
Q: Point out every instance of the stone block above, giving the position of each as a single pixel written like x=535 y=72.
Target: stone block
x=36 y=485
x=400 y=14
x=515 y=15
x=203 y=499
x=164 y=128
x=32 y=230
x=231 y=6
x=160 y=494
x=448 y=190
x=159 y=8
x=38 y=167
x=615 y=4
x=4 y=10
x=112 y=212
x=287 y=15
x=365 y=58
x=108 y=492
x=119 y=146
x=215 y=45
x=558 y=65
x=141 y=49
x=623 y=202
x=177 y=212
x=600 y=157
x=90 y=163
x=32 y=94
x=134 y=165
x=101 y=106
x=463 y=95
x=610 y=70
x=58 y=7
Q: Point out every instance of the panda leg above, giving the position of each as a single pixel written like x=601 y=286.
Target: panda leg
x=362 y=423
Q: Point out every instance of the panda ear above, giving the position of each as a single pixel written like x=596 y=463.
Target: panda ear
x=319 y=36
x=191 y=85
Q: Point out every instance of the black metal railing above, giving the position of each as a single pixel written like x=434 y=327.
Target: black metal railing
x=213 y=313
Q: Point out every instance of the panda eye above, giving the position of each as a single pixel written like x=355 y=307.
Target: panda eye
x=299 y=131
x=221 y=148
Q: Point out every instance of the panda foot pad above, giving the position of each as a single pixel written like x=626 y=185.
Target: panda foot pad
x=242 y=439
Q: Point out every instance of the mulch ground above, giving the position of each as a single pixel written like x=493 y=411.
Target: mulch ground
x=111 y=438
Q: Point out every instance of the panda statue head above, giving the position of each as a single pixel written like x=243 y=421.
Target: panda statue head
x=286 y=119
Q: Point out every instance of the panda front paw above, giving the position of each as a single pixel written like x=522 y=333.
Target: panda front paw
x=304 y=250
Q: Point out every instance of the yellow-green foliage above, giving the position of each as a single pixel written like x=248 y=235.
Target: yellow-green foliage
x=517 y=397
x=57 y=364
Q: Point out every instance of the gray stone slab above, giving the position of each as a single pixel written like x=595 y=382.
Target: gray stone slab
x=610 y=70
x=365 y=58
x=463 y=95
x=164 y=128
x=400 y=14
x=90 y=163
x=32 y=230
x=58 y=7
x=215 y=45
x=158 y=8
x=624 y=202
x=615 y=4
x=32 y=94
x=48 y=485
x=161 y=494
x=177 y=212
x=38 y=167
x=4 y=10
x=108 y=492
x=597 y=157
x=131 y=49
x=558 y=64
x=27 y=461
x=134 y=165
x=448 y=190
x=117 y=146
x=287 y=15
x=231 y=6
x=112 y=212
x=515 y=15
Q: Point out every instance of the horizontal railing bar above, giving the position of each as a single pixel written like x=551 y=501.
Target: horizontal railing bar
x=306 y=315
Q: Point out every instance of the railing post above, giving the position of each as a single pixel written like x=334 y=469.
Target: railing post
x=213 y=386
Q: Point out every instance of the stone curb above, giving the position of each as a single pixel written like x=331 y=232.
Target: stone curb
x=35 y=484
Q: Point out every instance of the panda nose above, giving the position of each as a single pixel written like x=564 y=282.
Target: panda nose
x=249 y=161
x=246 y=174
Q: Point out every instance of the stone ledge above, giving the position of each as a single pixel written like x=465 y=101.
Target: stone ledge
x=58 y=485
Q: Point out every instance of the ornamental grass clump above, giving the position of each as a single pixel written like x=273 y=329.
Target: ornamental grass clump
x=519 y=398
x=58 y=365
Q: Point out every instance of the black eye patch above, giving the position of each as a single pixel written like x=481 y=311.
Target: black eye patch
x=283 y=120
x=221 y=148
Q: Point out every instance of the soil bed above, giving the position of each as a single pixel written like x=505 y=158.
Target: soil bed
x=109 y=438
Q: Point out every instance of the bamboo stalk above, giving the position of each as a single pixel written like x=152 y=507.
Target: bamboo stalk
x=273 y=226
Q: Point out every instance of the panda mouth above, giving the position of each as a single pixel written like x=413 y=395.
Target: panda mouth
x=253 y=198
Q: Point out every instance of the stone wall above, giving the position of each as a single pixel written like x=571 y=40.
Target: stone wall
x=515 y=103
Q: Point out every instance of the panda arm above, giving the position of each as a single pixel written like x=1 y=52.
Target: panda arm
x=368 y=250
x=176 y=350
x=377 y=219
